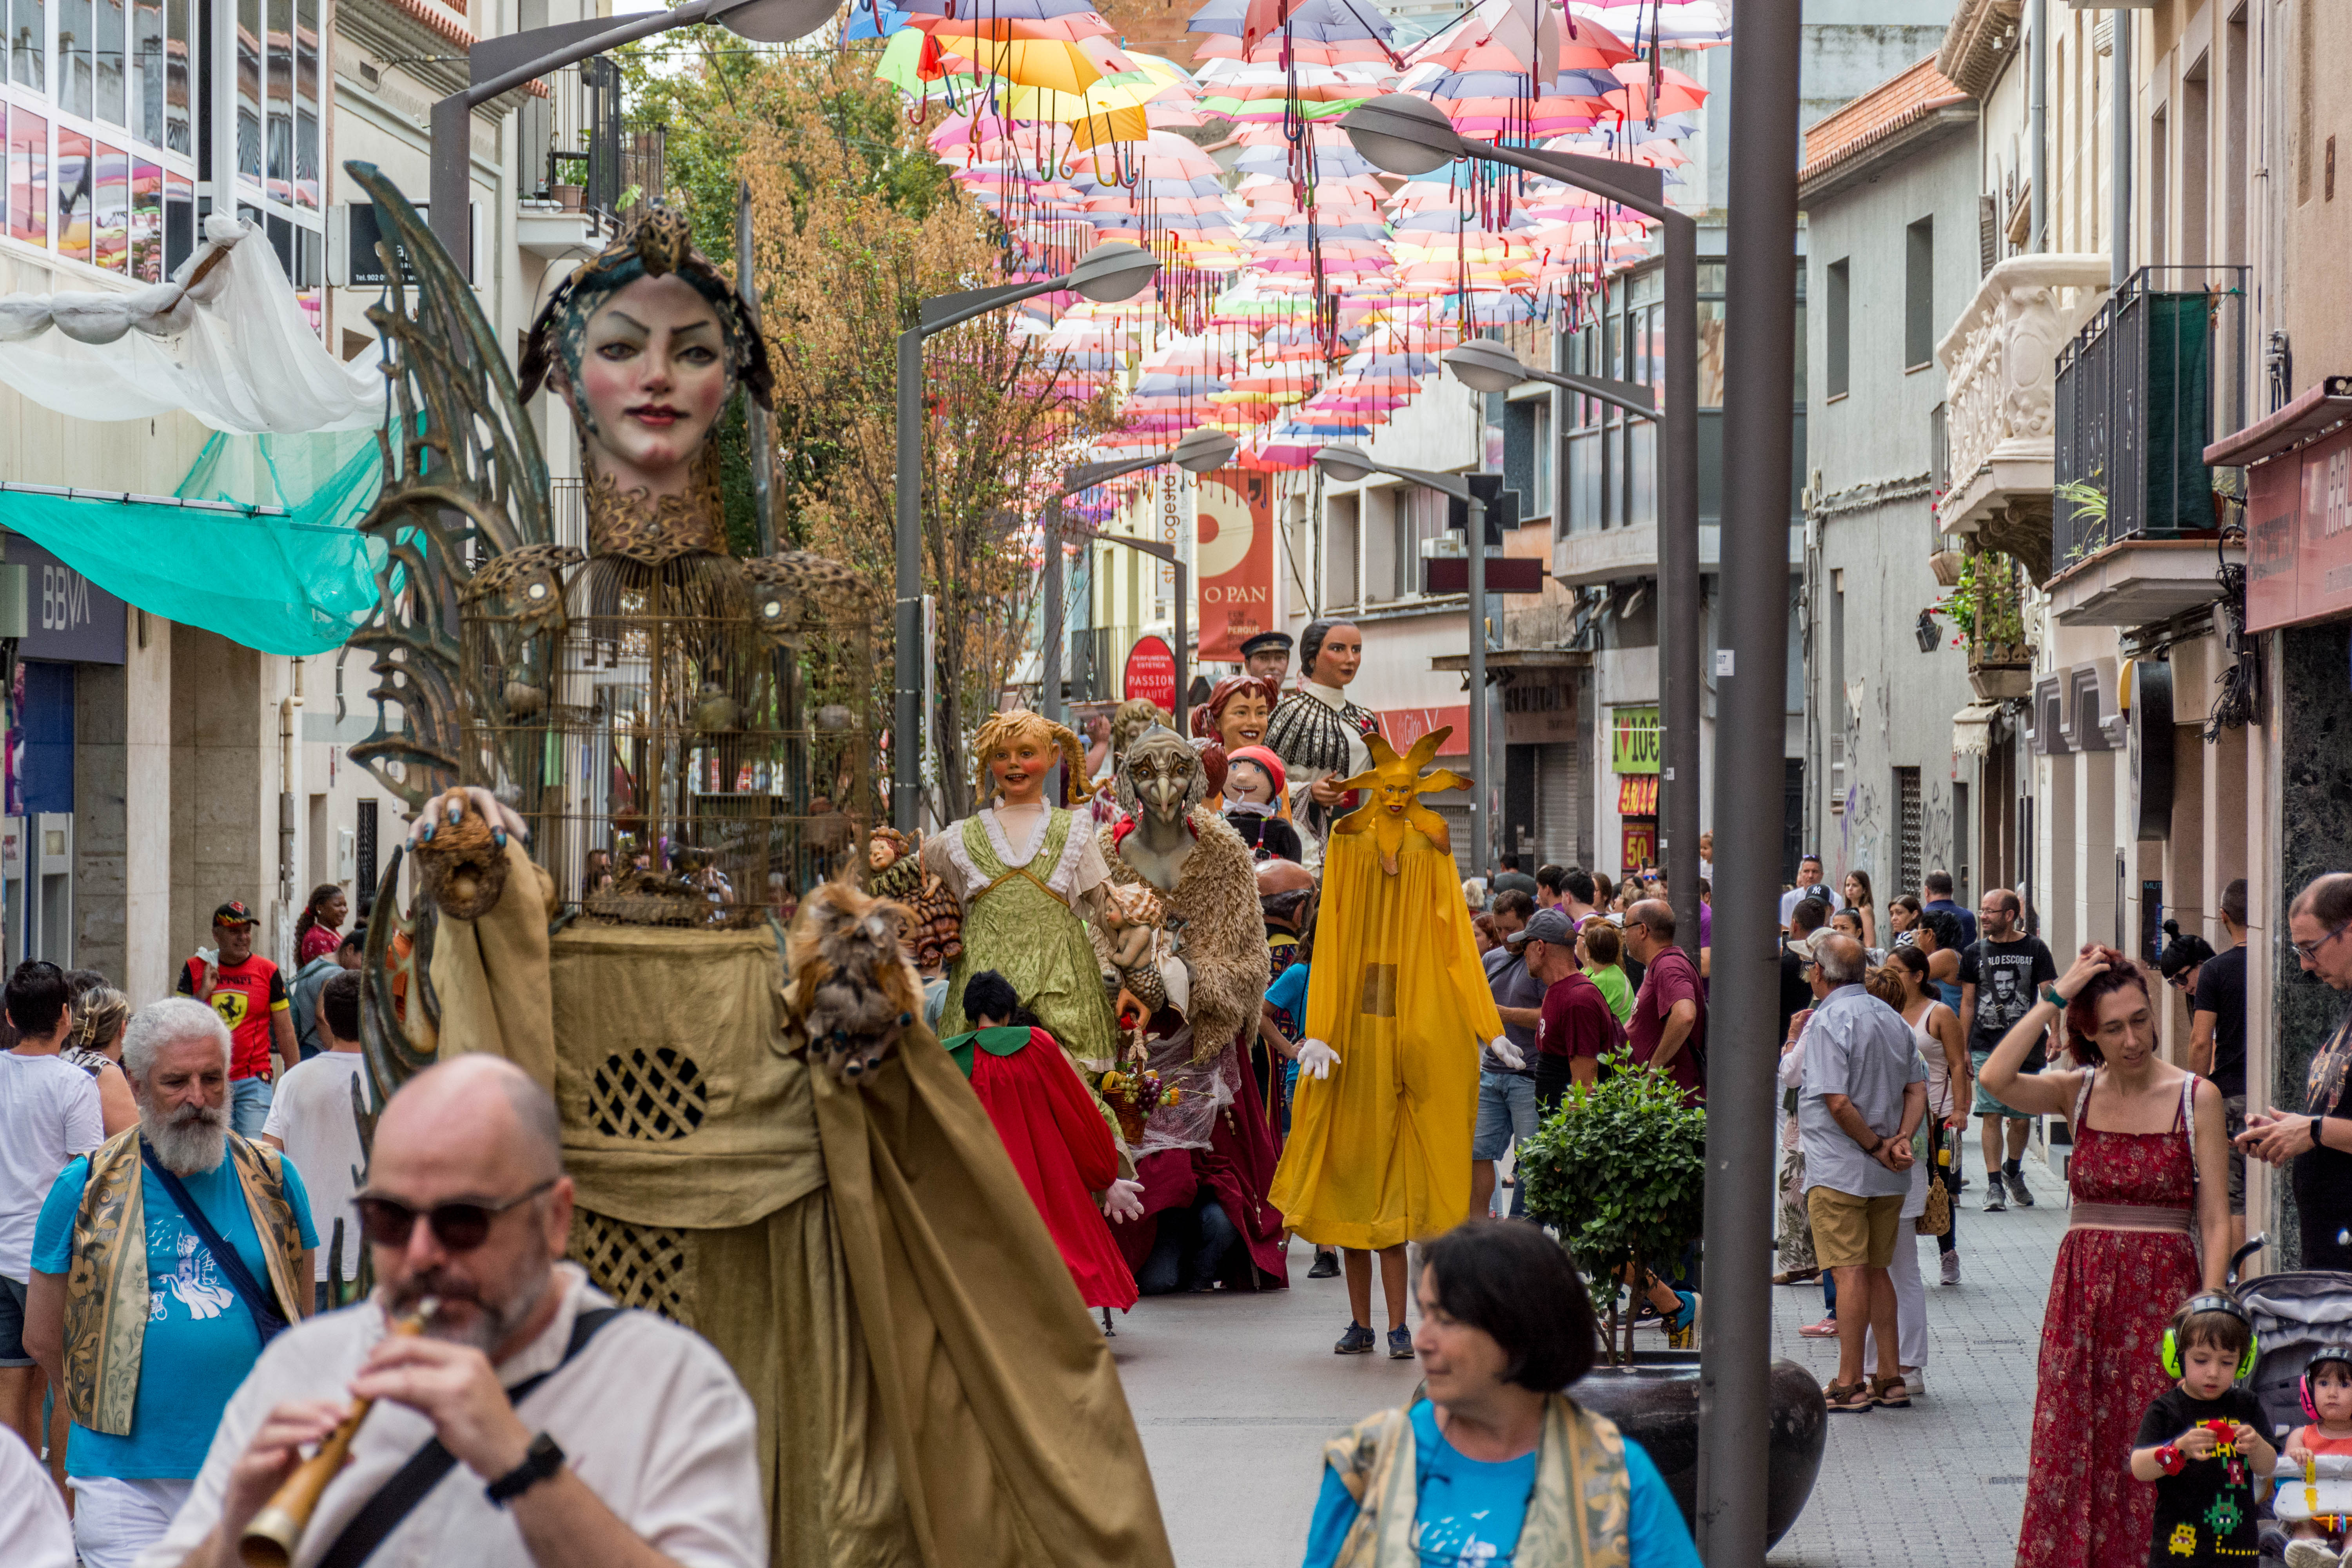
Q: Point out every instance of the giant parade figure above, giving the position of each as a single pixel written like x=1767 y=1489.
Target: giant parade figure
x=767 y=1144
x=1397 y=1007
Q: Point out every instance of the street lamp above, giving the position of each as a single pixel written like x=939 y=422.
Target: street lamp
x=1202 y=451
x=1484 y=364
x=502 y=64
x=1349 y=464
x=1408 y=135
x=1106 y=274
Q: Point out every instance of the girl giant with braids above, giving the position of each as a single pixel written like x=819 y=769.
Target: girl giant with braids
x=1029 y=876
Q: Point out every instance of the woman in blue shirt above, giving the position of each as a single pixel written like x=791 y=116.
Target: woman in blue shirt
x=1497 y=1466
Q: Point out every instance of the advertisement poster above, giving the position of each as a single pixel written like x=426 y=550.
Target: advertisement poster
x=1150 y=673
x=1234 y=561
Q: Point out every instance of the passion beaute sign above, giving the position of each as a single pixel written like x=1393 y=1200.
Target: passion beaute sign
x=1151 y=674
x=1234 y=561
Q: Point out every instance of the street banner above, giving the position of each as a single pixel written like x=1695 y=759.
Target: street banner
x=1234 y=561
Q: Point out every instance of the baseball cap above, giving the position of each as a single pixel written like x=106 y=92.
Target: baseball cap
x=1547 y=925
x=233 y=913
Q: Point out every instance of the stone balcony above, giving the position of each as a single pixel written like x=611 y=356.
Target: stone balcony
x=1999 y=363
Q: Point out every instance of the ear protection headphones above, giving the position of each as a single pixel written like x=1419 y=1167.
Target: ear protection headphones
x=2327 y=1355
x=2214 y=1302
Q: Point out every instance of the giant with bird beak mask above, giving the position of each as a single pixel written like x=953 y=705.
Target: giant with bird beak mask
x=1159 y=780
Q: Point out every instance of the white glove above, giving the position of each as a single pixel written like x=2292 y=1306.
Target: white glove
x=1123 y=1202
x=1316 y=1060
x=1506 y=1053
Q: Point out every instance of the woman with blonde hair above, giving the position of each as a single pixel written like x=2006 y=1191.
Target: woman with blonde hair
x=1028 y=878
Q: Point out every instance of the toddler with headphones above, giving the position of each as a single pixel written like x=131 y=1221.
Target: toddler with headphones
x=2205 y=1439
x=2319 y=1453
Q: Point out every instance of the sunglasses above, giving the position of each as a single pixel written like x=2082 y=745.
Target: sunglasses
x=458 y=1227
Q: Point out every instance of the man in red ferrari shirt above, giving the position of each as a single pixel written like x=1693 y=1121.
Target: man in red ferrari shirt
x=249 y=994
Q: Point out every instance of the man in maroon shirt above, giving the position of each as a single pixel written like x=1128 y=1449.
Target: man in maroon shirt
x=1577 y=1026
x=1668 y=1029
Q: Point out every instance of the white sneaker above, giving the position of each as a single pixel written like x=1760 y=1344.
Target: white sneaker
x=2309 y=1555
x=1916 y=1379
x=1951 y=1267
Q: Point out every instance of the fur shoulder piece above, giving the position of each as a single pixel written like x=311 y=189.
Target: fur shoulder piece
x=851 y=992
x=1214 y=907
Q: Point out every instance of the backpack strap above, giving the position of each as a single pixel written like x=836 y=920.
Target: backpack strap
x=398 y=1496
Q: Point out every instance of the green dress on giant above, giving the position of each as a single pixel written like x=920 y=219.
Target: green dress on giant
x=1025 y=911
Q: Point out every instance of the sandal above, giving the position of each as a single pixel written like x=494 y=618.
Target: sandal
x=1890 y=1392
x=1796 y=1277
x=1824 y=1330
x=1849 y=1398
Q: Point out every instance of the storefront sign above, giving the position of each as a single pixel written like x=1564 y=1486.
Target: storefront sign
x=2299 y=536
x=1151 y=674
x=68 y=618
x=1633 y=740
x=1638 y=795
x=1401 y=727
x=1638 y=846
x=1234 y=561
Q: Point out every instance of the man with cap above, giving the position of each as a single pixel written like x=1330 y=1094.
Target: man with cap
x=1267 y=656
x=249 y=994
x=1506 y=1095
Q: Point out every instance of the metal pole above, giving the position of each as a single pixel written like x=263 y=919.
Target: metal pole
x=1183 y=631
x=1682 y=632
x=1481 y=863
x=2119 y=245
x=907 y=708
x=449 y=194
x=1049 y=643
x=2037 y=66
x=1759 y=315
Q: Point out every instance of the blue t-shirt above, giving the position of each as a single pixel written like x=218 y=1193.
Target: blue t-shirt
x=1471 y=1511
x=201 y=1339
x=1288 y=995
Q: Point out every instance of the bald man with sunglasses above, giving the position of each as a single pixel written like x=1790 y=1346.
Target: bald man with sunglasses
x=570 y=1433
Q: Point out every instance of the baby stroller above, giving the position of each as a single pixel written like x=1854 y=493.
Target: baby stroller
x=2295 y=1317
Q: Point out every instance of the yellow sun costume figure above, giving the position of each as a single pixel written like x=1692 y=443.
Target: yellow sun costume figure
x=1397 y=1007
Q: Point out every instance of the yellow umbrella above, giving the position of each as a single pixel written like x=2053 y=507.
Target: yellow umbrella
x=1053 y=65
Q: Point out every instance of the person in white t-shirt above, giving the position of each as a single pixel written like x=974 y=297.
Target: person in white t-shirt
x=48 y=1114
x=1808 y=885
x=312 y=1117
x=34 y=1530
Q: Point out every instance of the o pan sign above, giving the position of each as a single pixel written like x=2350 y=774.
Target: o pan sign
x=1633 y=740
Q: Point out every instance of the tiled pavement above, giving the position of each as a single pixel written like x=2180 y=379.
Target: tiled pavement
x=1234 y=1397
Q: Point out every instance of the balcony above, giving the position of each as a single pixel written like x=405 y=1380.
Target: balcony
x=590 y=171
x=2152 y=378
x=1999 y=362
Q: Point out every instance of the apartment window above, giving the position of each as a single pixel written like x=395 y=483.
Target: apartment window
x=1920 y=294
x=1339 y=552
x=1403 y=549
x=1834 y=373
x=1910 y=826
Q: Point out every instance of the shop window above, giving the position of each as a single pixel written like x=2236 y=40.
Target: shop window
x=179 y=220
x=278 y=51
x=28 y=34
x=110 y=224
x=248 y=89
x=147 y=222
x=28 y=177
x=76 y=194
x=111 y=57
x=179 y=129
x=147 y=62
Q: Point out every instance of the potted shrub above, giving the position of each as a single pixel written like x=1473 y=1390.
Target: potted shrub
x=1619 y=1172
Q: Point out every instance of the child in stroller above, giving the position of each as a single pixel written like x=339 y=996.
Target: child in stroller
x=2303 y=1378
x=2320 y=1451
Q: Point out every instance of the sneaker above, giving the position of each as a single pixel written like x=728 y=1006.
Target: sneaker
x=1850 y=1399
x=1356 y=1340
x=1824 y=1330
x=1951 y=1267
x=1325 y=1266
x=2017 y=1189
x=2309 y=1555
x=1682 y=1329
x=1400 y=1343
x=1996 y=1200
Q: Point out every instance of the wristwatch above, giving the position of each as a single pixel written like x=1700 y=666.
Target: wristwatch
x=2316 y=1141
x=541 y=1460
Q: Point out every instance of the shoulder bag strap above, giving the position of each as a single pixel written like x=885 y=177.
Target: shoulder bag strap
x=259 y=1299
x=398 y=1496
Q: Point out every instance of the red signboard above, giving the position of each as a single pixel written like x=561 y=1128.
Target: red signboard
x=2299 y=536
x=1637 y=796
x=1233 y=563
x=1150 y=673
x=1401 y=727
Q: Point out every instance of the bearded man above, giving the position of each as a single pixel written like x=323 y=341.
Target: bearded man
x=162 y=1265
x=1206 y=1160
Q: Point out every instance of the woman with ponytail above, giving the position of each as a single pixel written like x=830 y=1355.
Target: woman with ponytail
x=320 y=930
x=1029 y=876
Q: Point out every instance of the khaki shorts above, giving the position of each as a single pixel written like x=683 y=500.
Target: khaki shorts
x=1850 y=1232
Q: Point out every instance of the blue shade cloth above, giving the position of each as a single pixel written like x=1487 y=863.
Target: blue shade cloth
x=297 y=584
x=200 y=1341
x=1471 y=1511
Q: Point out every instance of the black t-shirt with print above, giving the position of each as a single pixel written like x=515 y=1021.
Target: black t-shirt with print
x=2206 y=1513
x=2007 y=975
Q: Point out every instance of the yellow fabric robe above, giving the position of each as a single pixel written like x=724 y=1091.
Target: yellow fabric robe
x=1379 y=1151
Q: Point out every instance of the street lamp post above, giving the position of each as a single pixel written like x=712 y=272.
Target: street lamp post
x=1202 y=451
x=1106 y=273
x=503 y=64
x=1349 y=464
x=1408 y=135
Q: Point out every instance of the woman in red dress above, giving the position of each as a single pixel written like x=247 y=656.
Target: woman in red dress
x=2150 y=1153
x=1052 y=1131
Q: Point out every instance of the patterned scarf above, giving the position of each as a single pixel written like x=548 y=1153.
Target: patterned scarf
x=106 y=1281
x=1580 y=1515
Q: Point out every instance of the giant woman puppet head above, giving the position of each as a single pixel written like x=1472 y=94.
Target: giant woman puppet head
x=645 y=343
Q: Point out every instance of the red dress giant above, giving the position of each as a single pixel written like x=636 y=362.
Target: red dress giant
x=1060 y=1147
x=2111 y=1294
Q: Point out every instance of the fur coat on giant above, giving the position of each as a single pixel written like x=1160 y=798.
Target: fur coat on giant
x=1213 y=911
